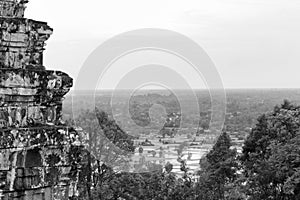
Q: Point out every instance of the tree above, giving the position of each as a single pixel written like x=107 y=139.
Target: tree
x=271 y=159
x=286 y=159
x=218 y=169
x=114 y=133
x=107 y=146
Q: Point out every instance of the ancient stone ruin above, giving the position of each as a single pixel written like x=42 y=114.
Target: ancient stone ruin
x=38 y=152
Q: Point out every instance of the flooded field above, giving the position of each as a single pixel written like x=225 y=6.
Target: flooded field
x=168 y=150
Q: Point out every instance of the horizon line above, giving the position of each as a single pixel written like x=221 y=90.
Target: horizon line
x=162 y=89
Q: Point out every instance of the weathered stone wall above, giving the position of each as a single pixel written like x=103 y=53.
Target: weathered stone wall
x=22 y=42
x=12 y=8
x=37 y=157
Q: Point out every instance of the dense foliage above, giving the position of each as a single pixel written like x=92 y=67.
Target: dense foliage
x=271 y=155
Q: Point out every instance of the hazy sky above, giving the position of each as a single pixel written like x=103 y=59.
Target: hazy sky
x=254 y=43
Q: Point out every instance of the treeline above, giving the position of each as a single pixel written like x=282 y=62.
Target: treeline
x=268 y=168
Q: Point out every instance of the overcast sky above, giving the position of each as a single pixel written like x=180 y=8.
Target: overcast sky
x=254 y=43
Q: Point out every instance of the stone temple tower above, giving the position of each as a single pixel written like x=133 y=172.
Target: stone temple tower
x=38 y=152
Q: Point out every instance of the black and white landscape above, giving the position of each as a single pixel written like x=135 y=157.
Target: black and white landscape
x=149 y=100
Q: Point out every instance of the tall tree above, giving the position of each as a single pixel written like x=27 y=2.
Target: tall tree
x=271 y=159
x=218 y=169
